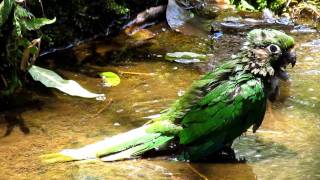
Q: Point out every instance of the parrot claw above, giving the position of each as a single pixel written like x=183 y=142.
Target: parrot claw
x=242 y=160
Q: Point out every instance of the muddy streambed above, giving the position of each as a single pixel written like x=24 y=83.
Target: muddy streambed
x=286 y=147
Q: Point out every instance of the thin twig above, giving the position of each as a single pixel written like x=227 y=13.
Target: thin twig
x=197 y=172
x=136 y=73
x=109 y=101
x=288 y=3
x=42 y=8
x=4 y=81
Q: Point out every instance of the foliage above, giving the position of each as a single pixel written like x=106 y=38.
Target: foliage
x=16 y=22
x=308 y=9
x=253 y=5
x=5 y=9
x=117 y=8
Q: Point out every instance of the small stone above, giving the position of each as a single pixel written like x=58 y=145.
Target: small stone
x=119 y=110
x=290 y=107
x=181 y=92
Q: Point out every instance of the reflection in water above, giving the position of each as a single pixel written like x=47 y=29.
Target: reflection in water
x=286 y=147
x=224 y=171
x=11 y=110
x=15 y=120
x=254 y=149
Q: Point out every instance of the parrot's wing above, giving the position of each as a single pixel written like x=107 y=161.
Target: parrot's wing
x=229 y=109
x=196 y=92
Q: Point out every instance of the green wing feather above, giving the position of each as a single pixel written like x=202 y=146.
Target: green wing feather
x=223 y=114
x=197 y=90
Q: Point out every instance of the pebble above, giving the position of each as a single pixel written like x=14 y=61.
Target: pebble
x=116 y=124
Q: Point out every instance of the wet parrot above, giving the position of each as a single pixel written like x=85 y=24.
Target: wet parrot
x=215 y=110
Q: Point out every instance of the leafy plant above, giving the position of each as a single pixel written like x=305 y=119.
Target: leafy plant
x=117 y=8
x=16 y=23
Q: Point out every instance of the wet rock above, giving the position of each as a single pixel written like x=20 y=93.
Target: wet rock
x=314 y=43
x=185 y=57
x=237 y=22
x=303 y=29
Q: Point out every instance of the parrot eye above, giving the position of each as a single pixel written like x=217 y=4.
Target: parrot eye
x=274 y=49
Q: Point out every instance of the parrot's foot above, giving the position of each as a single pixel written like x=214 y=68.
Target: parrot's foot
x=228 y=155
x=242 y=160
x=55 y=158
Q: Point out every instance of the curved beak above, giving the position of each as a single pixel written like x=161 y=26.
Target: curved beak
x=288 y=57
x=292 y=57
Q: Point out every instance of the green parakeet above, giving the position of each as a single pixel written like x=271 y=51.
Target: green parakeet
x=216 y=109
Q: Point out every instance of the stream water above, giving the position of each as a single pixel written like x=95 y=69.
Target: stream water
x=286 y=147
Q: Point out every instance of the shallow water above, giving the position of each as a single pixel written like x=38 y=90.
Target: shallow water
x=286 y=147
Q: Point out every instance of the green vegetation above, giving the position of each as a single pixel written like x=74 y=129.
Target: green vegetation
x=252 y=5
x=17 y=45
x=118 y=9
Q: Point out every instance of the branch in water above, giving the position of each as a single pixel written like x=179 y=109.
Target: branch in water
x=147 y=15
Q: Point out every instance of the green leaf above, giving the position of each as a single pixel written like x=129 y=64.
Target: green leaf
x=24 y=20
x=5 y=10
x=17 y=27
x=21 y=12
x=110 y=79
x=37 y=23
x=244 y=5
x=262 y=4
x=52 y=79
x=24 y=42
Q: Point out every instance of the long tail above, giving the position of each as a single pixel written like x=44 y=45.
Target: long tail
x=123 y=146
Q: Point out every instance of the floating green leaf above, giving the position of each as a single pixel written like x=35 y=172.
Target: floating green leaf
x=52 y=79
x=110 y=78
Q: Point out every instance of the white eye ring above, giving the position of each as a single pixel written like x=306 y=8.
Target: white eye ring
x=274 y=49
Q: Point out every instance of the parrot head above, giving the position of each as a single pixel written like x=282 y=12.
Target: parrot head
x=270 y=51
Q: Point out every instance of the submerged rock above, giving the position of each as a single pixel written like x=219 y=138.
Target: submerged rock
x=185 y=57
x=303 y=29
